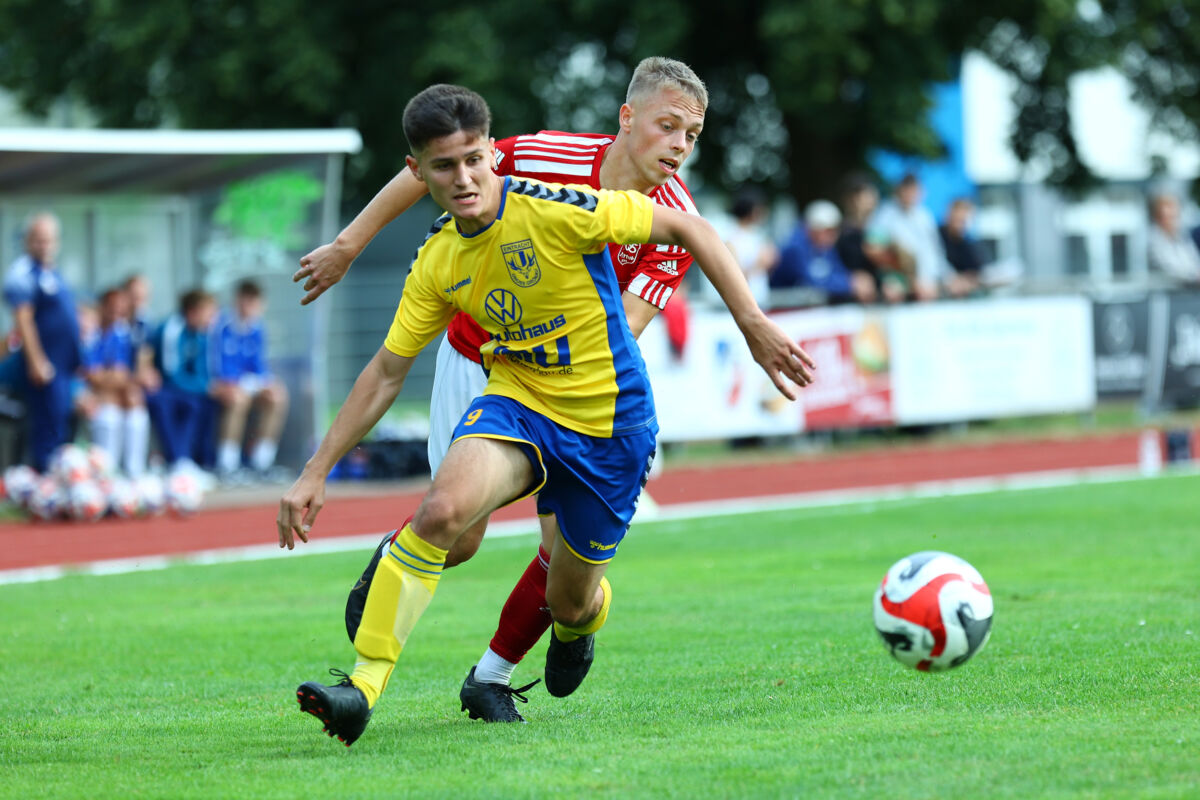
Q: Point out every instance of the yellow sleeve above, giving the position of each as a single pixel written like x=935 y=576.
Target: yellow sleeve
x=622 y=217
x=421 y=315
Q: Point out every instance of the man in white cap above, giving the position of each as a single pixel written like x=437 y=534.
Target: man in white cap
x=809 y=258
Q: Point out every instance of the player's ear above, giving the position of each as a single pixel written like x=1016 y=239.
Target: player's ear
x=492 y=150
x=625 y=117
x=414 y=167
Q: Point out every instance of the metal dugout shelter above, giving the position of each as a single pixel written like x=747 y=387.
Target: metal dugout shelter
x=190 y=208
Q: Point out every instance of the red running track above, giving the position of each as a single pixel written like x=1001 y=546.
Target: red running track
x=35 y=544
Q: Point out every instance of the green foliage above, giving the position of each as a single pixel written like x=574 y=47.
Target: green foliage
x=270 y=207
x=739 y=661
x=801 y=92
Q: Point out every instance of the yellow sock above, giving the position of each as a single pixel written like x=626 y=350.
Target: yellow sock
x=566 y=634
x=404 y=583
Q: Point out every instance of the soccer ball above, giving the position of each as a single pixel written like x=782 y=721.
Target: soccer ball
x=100 y=461
x=70 y=465
x=87 y=501
x=123 y=498
x=20 y=481
x=47 y=499
x=184 y=493
x=933 y=611
x=152 y=494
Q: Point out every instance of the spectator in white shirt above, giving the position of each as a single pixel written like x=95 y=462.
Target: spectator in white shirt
x=1172 y=252
x=911 y=226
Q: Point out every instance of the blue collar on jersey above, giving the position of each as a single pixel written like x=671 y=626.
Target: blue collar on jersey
x=499 y=213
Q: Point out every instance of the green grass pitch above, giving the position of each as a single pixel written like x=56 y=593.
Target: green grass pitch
x=739 y=661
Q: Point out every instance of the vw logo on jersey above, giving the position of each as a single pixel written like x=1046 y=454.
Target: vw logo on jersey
x=503 y=307
x=522 y=262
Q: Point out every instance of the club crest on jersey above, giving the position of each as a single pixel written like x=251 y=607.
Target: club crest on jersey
x=522 y=262
x=628 y=254
x=503 y=307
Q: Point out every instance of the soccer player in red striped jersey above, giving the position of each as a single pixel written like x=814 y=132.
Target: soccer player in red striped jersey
x=658 y=127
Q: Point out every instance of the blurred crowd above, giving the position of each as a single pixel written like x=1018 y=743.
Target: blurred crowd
x=180 y=391
x=861 y=250
x=865 y=249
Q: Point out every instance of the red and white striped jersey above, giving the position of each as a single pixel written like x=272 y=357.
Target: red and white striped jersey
x=649 y=271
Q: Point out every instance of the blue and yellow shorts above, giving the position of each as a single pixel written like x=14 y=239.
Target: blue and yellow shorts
x=590 y=483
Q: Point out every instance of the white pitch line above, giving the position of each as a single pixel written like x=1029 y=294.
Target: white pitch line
x=647 y=513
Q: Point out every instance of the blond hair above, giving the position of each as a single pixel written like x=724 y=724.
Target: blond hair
x=656 y=73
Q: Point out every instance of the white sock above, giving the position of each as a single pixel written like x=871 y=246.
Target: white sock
x=263 y=457
x=494 y=669
x=137 y=441
x=229 y=456
x=106 y=430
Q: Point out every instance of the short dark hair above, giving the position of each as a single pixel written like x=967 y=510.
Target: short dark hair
x=748 y=200
x=443 y=110
x=248 y=288
x=193 y=299
x=110 y=292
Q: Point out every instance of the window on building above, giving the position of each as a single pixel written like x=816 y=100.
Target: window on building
x=1077 y=255
x=1120 y=254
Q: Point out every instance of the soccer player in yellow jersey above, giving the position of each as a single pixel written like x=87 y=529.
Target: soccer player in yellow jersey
x=567 y=412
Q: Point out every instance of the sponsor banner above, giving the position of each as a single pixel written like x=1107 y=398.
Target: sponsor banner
x=991 y=358
x=929 y=363
x=1120 y=336
x=1174 y=376
x=853 y=388
x=713 y=389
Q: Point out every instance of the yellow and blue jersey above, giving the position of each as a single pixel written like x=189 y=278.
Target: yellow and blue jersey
x=540 y=282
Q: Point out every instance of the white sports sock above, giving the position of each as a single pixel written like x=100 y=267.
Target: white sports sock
x=229 y=456
x=106 y=430
x=137 y=441
x=263 y=457
x=494 y=669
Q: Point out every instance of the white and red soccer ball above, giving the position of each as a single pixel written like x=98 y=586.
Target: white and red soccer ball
x=151 y=494
x=70 y=465
x=86 y=501
x=48 y=499
x=20 y=481
x=933 y=611
x=184 y=492
x=123 y=498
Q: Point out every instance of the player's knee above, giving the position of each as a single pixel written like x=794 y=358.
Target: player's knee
x=461 y=551
x=440 y=520
x=466 y=545
x=569 y=608
x=276 y=394
x=234 y=399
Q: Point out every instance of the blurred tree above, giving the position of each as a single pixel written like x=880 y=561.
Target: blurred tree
x=801 y=92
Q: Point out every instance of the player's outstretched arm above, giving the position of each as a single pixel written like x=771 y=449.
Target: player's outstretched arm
x=329 y=263
x=374 y=390
x=775 y=351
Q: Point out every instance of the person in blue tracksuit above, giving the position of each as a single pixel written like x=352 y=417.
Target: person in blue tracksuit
x=44 y=311
x=182 y=410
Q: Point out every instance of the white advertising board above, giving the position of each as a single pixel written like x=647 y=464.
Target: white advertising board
x=929 y=363
x=991 y=358
x=714 y=389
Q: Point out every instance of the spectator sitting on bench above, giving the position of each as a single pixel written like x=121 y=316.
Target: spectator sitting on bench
x=244 y=383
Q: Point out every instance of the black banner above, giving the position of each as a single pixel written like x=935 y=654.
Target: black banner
x=1121 y=333
x=1181 y=365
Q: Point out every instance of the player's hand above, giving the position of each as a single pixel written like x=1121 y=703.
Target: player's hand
x=321 y=269
x=779 y=356
x=149 y=379
x=298 y=509
x=41 y=371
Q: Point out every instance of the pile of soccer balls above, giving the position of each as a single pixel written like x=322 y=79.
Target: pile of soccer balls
x=81 y=484
x=933 y=611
